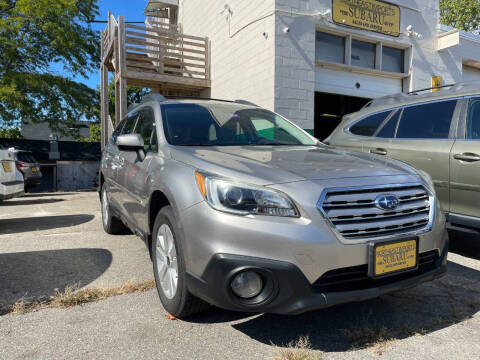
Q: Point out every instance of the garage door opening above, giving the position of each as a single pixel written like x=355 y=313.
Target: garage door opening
x=329 y=109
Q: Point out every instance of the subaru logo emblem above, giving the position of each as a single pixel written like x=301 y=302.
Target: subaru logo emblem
x=386 y=202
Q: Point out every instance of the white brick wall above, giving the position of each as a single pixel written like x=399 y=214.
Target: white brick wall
x=242 y=66
x=278 y=72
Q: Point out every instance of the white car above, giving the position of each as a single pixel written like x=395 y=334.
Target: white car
x=11 y=180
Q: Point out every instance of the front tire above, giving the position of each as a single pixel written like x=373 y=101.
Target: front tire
x=169 y=268
x=111 y=224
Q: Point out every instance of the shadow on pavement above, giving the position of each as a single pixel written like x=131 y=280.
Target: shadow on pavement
x=20 y=225
x=420 y=310
x=29 y=195
x=465 y=244
x=36 y=275
x=30 y=202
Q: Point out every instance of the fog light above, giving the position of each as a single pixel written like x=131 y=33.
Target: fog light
x=247 y=284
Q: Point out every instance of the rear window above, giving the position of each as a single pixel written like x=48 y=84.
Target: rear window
x=388 y=129
x=427 y=121
x=26 y=157
x=368 y=125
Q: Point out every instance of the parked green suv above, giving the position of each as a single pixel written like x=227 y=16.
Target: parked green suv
x=438 y=132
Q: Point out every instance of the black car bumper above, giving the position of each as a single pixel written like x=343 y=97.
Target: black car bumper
x=287 y=291
x=33 y=181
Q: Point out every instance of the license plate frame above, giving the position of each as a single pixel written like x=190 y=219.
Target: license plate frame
x=7 y=167
x=372 y=264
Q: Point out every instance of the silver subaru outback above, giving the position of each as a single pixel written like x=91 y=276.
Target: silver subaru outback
x=244 y=210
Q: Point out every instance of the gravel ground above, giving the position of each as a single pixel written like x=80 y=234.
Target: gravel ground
x=437 y=320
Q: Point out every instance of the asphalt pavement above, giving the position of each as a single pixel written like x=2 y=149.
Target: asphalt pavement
x=53 y=241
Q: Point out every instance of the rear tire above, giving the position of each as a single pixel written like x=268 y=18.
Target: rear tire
x=169 y=268
x=111 y=224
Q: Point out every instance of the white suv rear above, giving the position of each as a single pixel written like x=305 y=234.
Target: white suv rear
x=11 y=180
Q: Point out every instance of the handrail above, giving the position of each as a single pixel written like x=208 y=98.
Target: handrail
x=165 y=51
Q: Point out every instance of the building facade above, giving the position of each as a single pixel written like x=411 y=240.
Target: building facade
x=315 y=60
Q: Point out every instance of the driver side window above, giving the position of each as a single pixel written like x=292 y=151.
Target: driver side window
x=145 y=126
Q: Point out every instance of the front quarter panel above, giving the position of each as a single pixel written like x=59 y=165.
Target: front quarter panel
x=176 y=181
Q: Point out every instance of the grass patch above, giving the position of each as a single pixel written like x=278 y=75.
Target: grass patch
x=378 y=339
x=71 y=296
x=298 y=350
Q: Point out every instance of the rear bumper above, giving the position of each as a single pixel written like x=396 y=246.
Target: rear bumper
x=289 y=292
x=11 y=189
x=33 y=181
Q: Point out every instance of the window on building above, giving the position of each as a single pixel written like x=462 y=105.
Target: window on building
x=392 y=59
x=363 y=54
x=387 y=130
x=368 y=125
x=330 y=48
x=427 y=121
x=473 y=119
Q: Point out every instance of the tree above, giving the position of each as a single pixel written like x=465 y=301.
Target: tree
x=95 y=134
x=13 y=133
x=34 y=34
x=461 y=14
x=134 y=95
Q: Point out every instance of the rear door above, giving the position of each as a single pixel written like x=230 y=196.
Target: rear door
x=134 y=177
x=360 y=135
x=380 y=142
x=465 y=164
x=424 y=138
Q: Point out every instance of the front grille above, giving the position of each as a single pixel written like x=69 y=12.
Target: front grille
x=353 y=212
x=356 y=277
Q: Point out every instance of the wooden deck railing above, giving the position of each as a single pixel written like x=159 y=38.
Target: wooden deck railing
x=108 y=35
x=166 y=51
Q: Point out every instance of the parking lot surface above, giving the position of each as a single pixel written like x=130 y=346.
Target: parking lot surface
x=52 y=241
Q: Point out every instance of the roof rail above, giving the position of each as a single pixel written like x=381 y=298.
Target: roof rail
x=154 y=97
x=180 y=97
x=415 y=92
x=245 y=102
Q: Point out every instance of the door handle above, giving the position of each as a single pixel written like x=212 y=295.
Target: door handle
x=379 y=151
x=468 y=157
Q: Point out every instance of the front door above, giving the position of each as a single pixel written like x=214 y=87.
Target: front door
x=135 y=173
x=465 y=166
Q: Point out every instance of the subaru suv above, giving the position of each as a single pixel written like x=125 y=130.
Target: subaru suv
x=244 y=210
x=437 y=132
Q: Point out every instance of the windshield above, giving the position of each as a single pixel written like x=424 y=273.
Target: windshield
x=228 y=124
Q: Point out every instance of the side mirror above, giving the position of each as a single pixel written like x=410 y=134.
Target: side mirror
x=131 y=142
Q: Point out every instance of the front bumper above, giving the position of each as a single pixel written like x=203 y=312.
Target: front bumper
x=287 y=289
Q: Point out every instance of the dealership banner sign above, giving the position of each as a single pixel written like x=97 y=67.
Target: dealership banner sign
x=370 y=15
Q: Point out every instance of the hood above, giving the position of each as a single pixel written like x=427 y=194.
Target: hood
x=281 y=164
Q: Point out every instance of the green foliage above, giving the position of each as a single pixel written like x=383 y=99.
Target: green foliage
x=33 y=35
x=461 y=14
x=12 y=133
x=134 y=95
x=95 y=134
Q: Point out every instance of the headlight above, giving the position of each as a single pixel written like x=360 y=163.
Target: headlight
x=427 y=179
x=243 y=199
